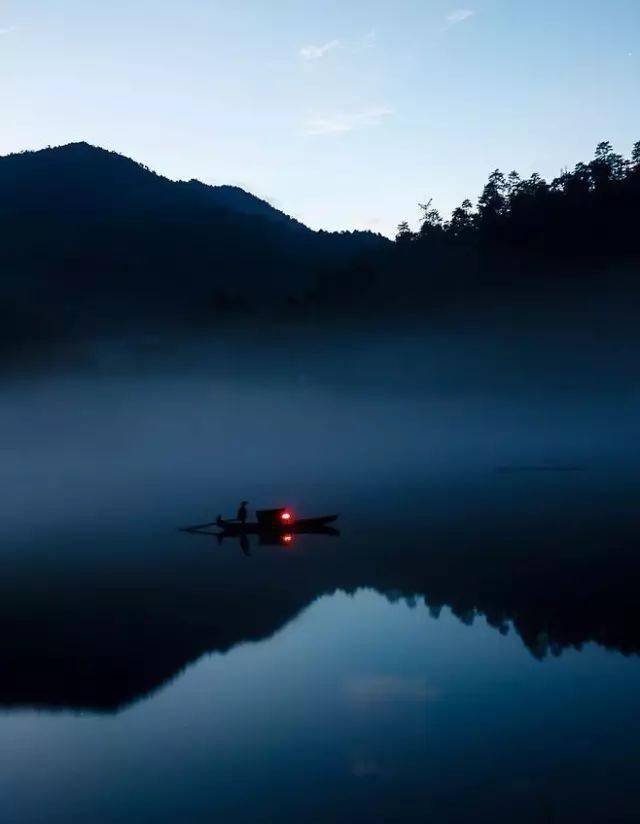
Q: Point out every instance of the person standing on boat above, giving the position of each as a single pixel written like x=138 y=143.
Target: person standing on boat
x=242 y=512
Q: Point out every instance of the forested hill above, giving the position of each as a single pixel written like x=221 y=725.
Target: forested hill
x=88 y=231
x=91 y=240
x=592 y=210
x=79 y=177
x=522 y=233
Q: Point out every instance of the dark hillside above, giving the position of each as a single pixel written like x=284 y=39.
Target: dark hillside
x=89 y=236
x=523 y=236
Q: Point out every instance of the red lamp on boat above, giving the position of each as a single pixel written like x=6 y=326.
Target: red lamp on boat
x=286 y=517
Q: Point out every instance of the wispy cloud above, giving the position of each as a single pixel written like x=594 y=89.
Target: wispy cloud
x=368 y=41
x=459 y=16
x=317 y=52
x=7 y=30
x=340 y=123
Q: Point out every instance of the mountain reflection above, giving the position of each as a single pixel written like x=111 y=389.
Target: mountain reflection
x=101 y=630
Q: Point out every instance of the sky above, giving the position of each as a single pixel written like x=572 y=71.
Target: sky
x=343 y=113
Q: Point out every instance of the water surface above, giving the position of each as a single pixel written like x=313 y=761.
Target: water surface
x=466 y=650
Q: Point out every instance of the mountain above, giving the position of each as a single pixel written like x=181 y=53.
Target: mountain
x=98 y=237
x=237 y=200
x=79 y=177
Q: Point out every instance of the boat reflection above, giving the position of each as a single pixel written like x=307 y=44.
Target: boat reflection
x=265 y=537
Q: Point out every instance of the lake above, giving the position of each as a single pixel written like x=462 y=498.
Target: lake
x=465 y=650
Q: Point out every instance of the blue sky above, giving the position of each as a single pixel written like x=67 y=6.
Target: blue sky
x=344 y=114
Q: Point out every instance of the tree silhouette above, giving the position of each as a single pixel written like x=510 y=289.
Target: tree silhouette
x=431 y=223
x=461 y=223
x=493 y=202
x=581 y=218
x=404 y=233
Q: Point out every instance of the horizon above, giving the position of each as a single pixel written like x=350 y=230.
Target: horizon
x=159 y=173
x=430 y=97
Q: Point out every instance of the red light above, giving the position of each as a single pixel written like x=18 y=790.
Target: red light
x=287 y=539
x=286 y=516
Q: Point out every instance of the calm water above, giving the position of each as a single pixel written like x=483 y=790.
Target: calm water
x=466 y=650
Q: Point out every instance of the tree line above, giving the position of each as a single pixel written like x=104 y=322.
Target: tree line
x=592 y=209
x=520 y=232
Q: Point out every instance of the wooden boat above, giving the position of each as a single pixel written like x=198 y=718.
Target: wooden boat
x=297 y=526
x=269 y=522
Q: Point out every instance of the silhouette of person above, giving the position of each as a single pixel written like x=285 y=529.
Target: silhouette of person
x=242 y=512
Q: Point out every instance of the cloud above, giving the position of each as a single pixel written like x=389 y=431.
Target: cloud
x=7 y=30
x=346 y=121
x=459 y=16
x=368 y=41
x=316 y=52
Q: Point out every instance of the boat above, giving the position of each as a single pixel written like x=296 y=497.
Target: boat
x=279 y=521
